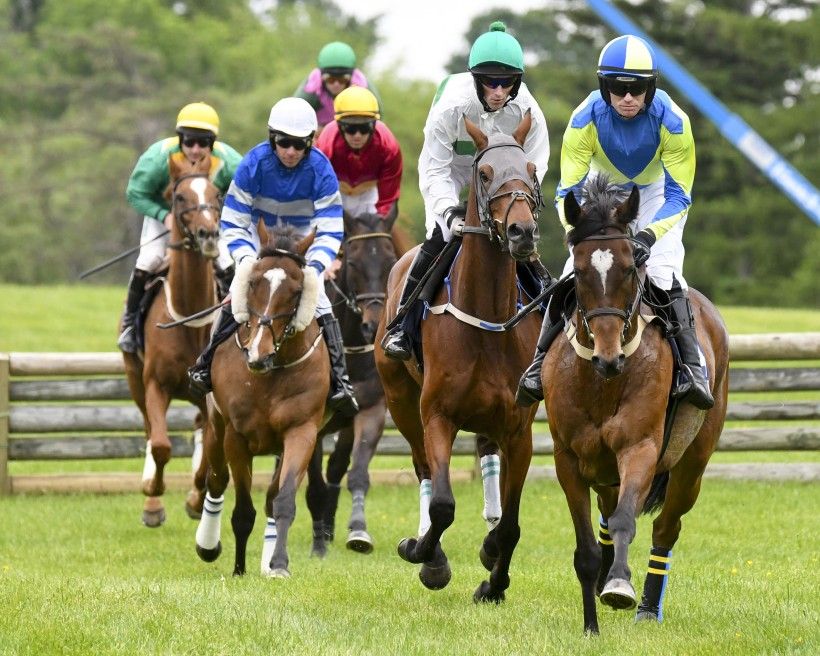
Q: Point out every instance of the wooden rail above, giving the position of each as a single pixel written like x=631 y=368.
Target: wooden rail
x=67 y=406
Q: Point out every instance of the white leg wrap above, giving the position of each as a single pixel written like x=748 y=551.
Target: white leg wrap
x=149 y=468
x=491 y=478
x=268 y=546
x=207 y=533
x=425 y=492
x=196 y=458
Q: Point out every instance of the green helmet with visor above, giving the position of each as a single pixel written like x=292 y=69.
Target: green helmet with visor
x=496 y=54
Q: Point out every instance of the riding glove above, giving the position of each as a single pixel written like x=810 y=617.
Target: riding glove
x=641 y=246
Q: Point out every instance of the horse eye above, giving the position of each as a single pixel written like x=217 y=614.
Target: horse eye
x=483 y=176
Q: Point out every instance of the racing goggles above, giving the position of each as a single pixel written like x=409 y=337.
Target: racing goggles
x=286 y=141
x=366 y=127
x=203 y=141
x=622 y=86
x=330 y=78
x=493 y=81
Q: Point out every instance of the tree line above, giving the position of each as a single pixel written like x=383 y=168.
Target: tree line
x=87 y=85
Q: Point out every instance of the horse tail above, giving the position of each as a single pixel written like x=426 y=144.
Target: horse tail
x=657 y=493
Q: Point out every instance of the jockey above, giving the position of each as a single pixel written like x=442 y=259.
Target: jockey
x=284 y=180
x=635 y=134
x=493 y=96
x=197 y=129
x=364 y=153
x=336 y=71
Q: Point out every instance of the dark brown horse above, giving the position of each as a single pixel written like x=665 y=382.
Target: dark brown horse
x=471 y=365
x=159 y=374
x=371 y=247
x=269 y=389
x=606 y=391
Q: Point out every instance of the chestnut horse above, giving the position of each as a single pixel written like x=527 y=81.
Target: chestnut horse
x=159 y=374
x=270 y=384
x=471 y=365
x=371 y=247
x=606 y=390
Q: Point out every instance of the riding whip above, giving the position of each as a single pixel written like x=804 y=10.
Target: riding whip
x=524 y=311
x=121 y=256
x=195 y=315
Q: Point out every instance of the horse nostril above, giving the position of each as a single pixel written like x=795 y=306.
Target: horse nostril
x=515 y=231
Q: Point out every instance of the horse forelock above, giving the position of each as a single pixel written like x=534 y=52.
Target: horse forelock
x=601 y=199
x=280 y=238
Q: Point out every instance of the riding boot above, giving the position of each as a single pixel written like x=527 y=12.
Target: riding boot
x=224 y=278
x=199 y=376
x=341 y=398
x=127 y=341
x=530 y=387
x=396 y=343
x=693 y=385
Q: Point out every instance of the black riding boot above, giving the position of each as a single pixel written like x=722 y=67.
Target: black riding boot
x=127 y=341
x=199 y=376
x=224 y=278
x=341 y=398
x=395 y=343
x=692 y=386
x=530 y=387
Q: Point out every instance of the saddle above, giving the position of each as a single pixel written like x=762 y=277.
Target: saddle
x=152 y=286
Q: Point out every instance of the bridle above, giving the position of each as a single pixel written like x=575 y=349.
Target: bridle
x=190 y=241
x=496 y=229
x=352 y=300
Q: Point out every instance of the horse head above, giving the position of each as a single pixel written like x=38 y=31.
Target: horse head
x=280 y=298
x=369 y=254
x=606 y=280
x=502 y=176
x=196 y=206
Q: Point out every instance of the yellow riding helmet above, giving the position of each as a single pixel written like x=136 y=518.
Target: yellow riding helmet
x=198 y=116
x=356 y=101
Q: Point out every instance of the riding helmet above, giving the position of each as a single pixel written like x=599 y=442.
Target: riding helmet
x=356 y=101
x=626 y=58
x=294 y=117
x=337 y=58
x=198 y=116
x=496 y=53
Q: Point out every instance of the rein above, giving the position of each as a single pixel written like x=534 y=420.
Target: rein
x=372 y=298
x=189 y=240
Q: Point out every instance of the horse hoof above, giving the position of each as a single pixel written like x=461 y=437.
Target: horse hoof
x=318 y=549
x=279 y=573
x=359 y=541
x=484 y=594
x=619 y=594
x=406 y=547
x=209 y=555
x=435 y=577
x=646 y=616
x=486 y=559
x=153 y=518
x=193 y=505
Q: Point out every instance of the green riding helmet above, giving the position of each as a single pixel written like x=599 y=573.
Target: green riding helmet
x=496 y=53
x=337 y=58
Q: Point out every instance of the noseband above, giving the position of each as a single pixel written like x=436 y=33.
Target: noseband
x=189 y=240
x=374 y=298
x=497 y=229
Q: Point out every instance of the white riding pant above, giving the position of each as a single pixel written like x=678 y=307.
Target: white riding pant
x=152 y=255
x=666 y=256
x=363 y=203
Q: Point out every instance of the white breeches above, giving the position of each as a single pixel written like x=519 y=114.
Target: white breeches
x=152 y=255
x=364 y=203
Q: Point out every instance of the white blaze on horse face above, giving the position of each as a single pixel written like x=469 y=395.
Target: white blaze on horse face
x=602 y=261
x=199 y=186
x=274 y=278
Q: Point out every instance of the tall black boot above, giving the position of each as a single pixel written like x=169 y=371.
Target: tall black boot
x=127 y=341
x=395 y=343
x=530 y=387
x=693 y=385
x=224 y=278
x=341 y=398
x=199 y=376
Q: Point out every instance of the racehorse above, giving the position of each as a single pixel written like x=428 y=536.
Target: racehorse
x=270 y=384
x=470 y=364
x=371 y=247
x=606 y=389
x=159 y=373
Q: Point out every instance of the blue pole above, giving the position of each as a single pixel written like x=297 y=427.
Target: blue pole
x=788 y=179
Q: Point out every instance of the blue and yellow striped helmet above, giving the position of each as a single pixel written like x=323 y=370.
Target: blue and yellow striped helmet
x=627 y=57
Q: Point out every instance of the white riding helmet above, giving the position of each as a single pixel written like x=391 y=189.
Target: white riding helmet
x=294 y=117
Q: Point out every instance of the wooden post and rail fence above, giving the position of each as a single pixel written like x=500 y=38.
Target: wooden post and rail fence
x=76 y=406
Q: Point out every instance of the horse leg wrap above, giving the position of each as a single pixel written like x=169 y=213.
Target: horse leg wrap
x=357 y=521
x=207 y=533
x=490 y=477
x=268 y=546
x=425 y=493
x=196 y=456
x=654 y=588
x=331 y=505
x=607 y=552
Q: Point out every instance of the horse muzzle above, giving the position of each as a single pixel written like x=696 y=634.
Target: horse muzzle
x=522 y=240
x=609 y=367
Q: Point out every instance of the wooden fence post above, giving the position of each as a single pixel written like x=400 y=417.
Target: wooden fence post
x=5 y=408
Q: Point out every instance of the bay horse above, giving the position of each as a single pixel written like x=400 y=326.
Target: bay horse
x=371 y=247
x=270 y=384
x=606 y=389
x=471 y=365
x=159 y=373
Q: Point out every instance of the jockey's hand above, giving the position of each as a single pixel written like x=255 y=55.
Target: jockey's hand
x=642 y=246
x=330 y=272
x=451 y=213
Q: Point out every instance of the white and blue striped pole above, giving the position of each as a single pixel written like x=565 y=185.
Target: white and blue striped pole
x=788 y=179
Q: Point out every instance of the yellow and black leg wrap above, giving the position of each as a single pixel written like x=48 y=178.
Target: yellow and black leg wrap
x=607 y=552
x=654 y=588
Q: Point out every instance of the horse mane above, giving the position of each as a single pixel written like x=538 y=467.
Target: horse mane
x=280 y=238
x=600 y=199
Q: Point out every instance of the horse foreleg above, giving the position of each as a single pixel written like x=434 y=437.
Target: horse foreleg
x=490 y=478
x=337 y=464
x=316 y=497
x=157 y=454
x=587 y=559
x=208 y=543
x=244 y=515
x=368 y=426
x=199 y=466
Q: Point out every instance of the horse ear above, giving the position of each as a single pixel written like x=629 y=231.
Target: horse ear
x=262 y=231
x=390 y=217
x=628 y=210
x=520 y=133
x=479 y=138
x=174 y=169
x=349 y=222
x=203 y=165
x=572 y=211
x=303 y=245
